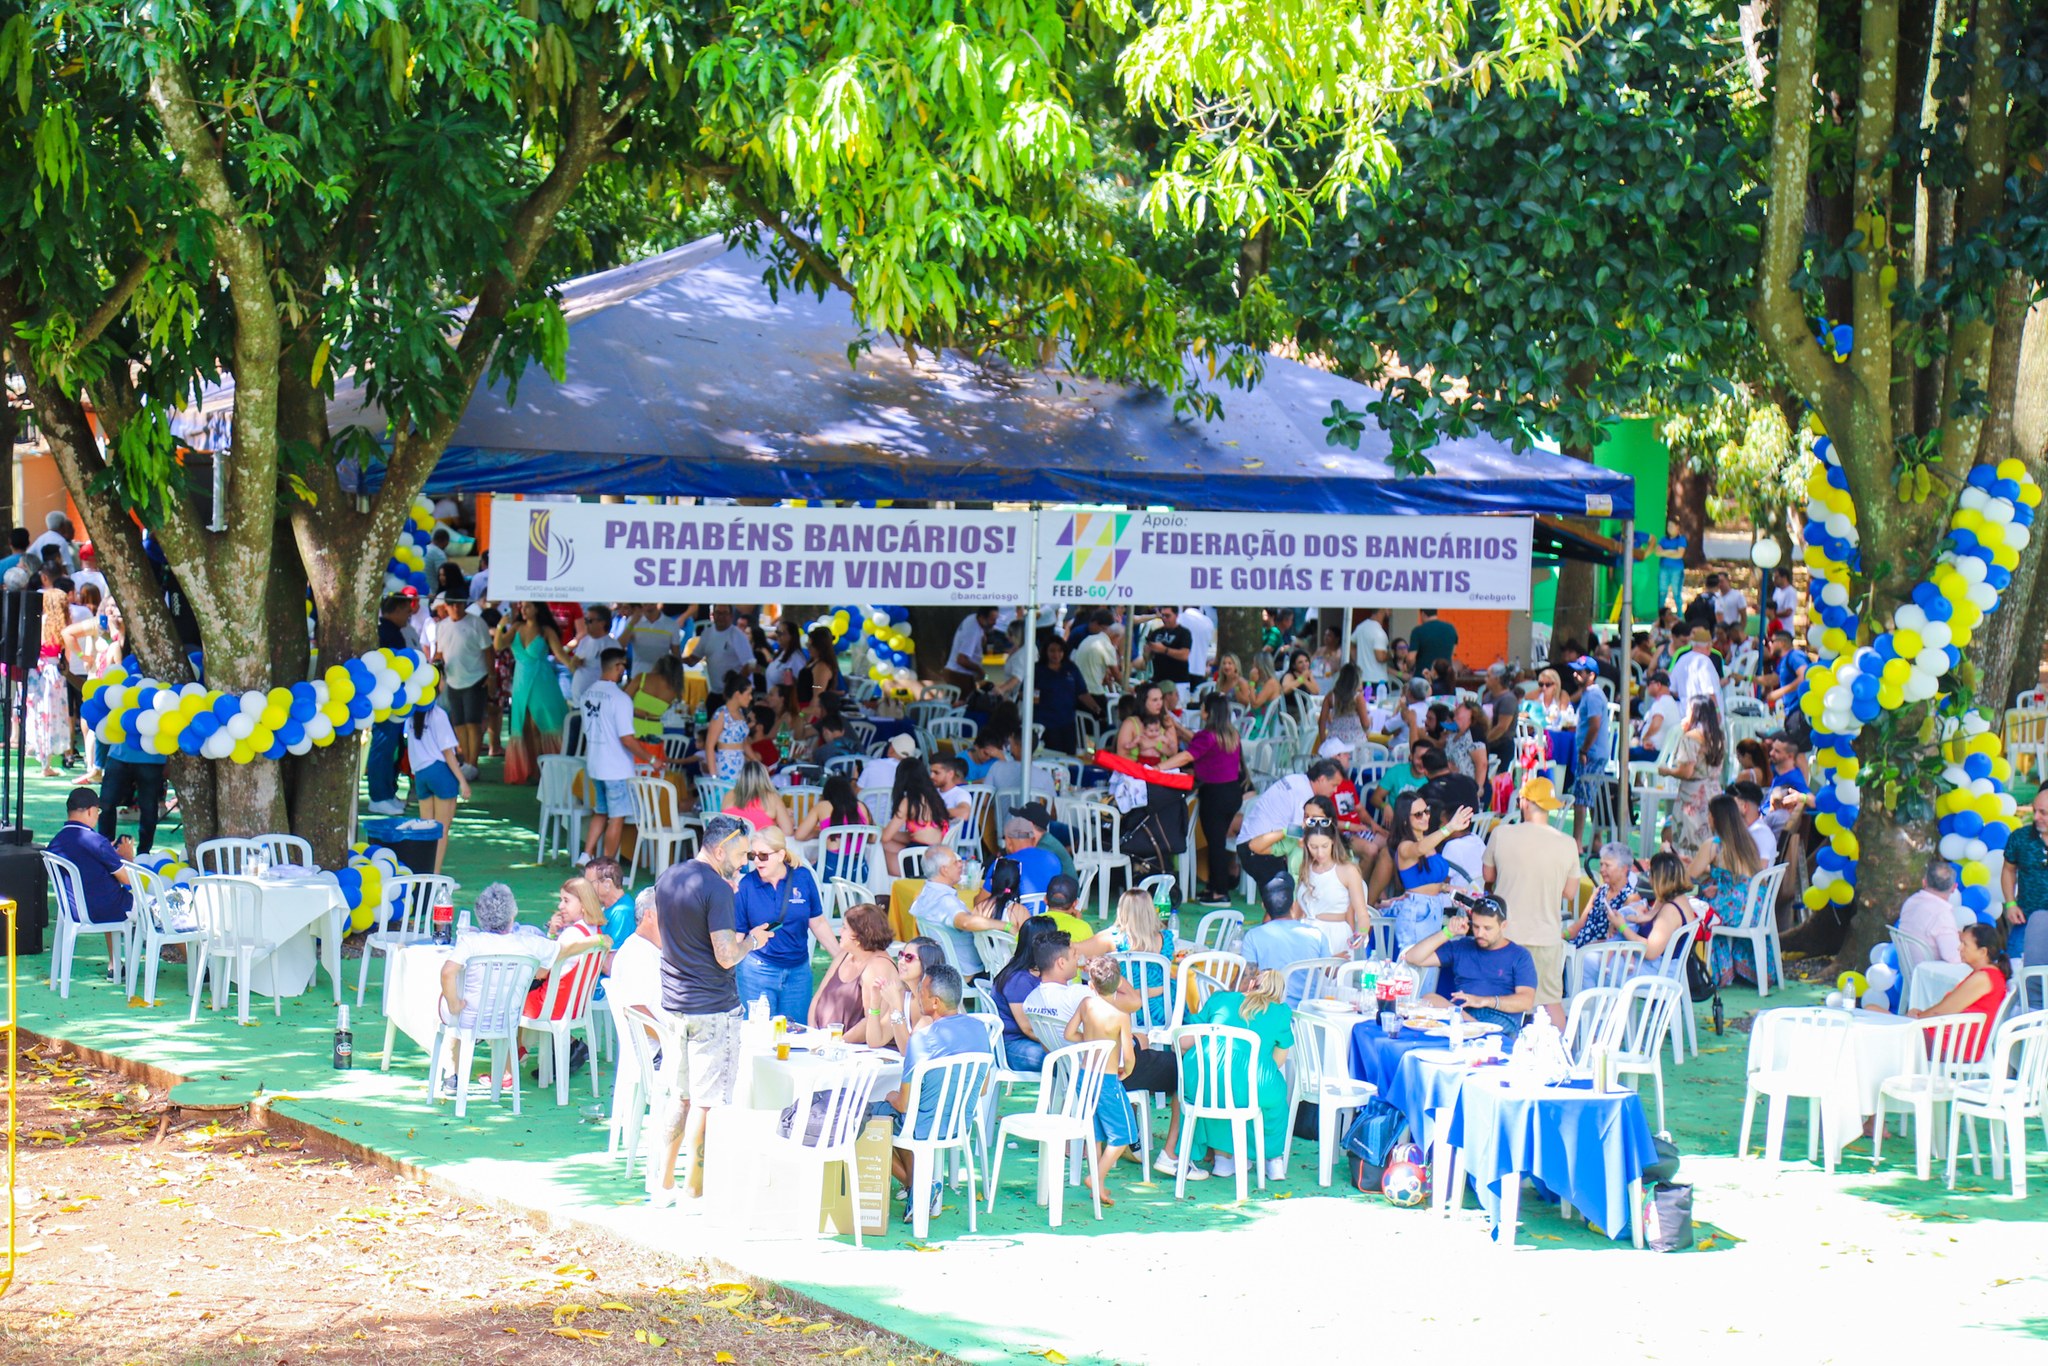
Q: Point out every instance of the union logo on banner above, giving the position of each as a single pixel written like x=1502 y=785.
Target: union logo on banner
x=549 y=555
x=1094 y=545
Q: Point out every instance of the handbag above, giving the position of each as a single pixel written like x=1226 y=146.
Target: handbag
x=1667 y=1219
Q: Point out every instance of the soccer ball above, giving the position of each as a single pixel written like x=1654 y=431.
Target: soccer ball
x=1405 y=1152
x=1405 y=1184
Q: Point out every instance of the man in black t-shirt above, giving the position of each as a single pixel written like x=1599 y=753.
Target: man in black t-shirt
x=1443 y=785
x=699 y=950
x=1169 y=647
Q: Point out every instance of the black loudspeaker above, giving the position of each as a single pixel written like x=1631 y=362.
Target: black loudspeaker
x=24 y=882
x=21 y=628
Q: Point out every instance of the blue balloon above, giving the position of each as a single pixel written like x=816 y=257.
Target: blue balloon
x=1940 y=609
x=1848 y=816
x=1982 y=476
x=1968 y=824
x=1844 y=338
x=1865 y=709
x=2023 y=514
x=1995 y=835
x=189 y=739
x=1955 y=656
x=1977 y=766
x=1999 y=577
x=1830 y=860
x=2008 y=489
x=1977 y=898
x=227 y=707
x=1821 y=446
x=291 y=732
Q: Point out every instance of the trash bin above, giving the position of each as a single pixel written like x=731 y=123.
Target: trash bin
x=413 y=841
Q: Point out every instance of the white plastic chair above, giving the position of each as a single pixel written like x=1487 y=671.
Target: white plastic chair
x=561 y=810
x=417 y=895
x=841 y=1110
x=635 y=1081
x=854 y=852
x=1098 y=851
x=1759 y=925
x=1606 y=964
x=285 y=850
x=1212 y=965
x=839 y=897
x=231 y=942
x=659 y=831
x=1951 y=1039
x=571 y=983
x=1671 y=964
x=2015 y=1091
x=1151 y=976
x=1815 y=1076
x=500 y=991
x=969 y=836
x=957 y=1084
x=224 y=857
x=153 y=928
x=1637 y=1028
x=910 y=861
x=1319 y=978
x=1219 y=930
x=1912 y=951
x=1066 y=1114
x=2029 y=990
x=1322 y=1078
x=1586 y=1022
x=1219 y=1080
x=71 y=921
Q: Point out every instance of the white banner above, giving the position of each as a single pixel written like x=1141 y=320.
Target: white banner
x=1224 y=559
x=611 y=552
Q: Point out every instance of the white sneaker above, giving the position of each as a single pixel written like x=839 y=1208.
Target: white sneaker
x=1168 y=1164
x=1224 y=1165
x=659 y=1197
x=469 y=772
x=390 y=806
x=581 y=858
x=1276 y=1169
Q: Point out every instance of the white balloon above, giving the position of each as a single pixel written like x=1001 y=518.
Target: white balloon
x=1838 y=699
x=319 y=727
x=1835 y=595
x=192 y=690
x=302 y=747
x=1974 y=724
x=1954 y=776
x=1971 y=568
x=1909 y=618
x=1822 y=877
x=1983 y=596
x=1973 y=498
x=1838 y=526
x=1934 y=635
x=253 y=703
x=239 y=726
x=1880 y=978
x=1920 y=686
x=424 y=677
x=1932 y=662
x=1982 y=787
x=1975 y=851
x=165 y=700
x=147 y=722
x=1952 y=847
x=2007 y=804
x=218 y=745
x=1848 y=793
x=1998 y=511
x=2017 y=536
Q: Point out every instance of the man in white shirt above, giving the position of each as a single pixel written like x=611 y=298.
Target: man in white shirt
x=58 y=534
x=593 y=637
x=1731 y=605
x=1661 y=719
x=88 y=572
x=940 y=912
x=1202 y=646
x=725 y=649
x=433 y=557
x=480 y=582
x=1370 y=647
x=635 y=978
x=881 y=772
x=610 y=748
x=1749 y=799
x=1784 y=598
x=970 y=639
x=1098 y=658
x=949 y=775
x=461 y=645
x=650 y=634
x=1693 y=673
x=1276 y=811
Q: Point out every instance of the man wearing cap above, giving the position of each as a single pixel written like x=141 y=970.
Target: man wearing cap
x=1037 y=867
x=1693 y=672
x=1481 y=967
x=1750 y=798
x=101 y=877
x=1661 y=719
x=89 y=572
x=1595 y=744
x=1532 y=868
x=1363 y=833
x=1052 y=835
x=881 y=772
x=693 y=908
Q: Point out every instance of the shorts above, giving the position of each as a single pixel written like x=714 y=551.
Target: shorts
x=1549 y=972
x=466 y=705
x=1154 y=1070
x=711 y=1057
x=1114 y=1124
x=611 y=796
x=436 y=780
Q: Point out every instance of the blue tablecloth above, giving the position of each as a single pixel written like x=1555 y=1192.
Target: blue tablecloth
x=1426 y=1081
x=1376 y=1058
x=1576 y=1146
x=887 y=728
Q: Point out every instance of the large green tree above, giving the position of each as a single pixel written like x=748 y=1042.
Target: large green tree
x=1908 y=199
x=281 y=197
x=1541 y=263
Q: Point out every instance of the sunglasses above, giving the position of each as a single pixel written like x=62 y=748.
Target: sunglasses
x=906 y=955
x=761 y=855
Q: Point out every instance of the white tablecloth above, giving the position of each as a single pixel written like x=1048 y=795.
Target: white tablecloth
x=1932 y=981
x=294 y=910
x=1874 y=1047
x=412 y=985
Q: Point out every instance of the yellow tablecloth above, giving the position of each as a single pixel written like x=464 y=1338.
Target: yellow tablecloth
x=902 y=893
x=695 y=690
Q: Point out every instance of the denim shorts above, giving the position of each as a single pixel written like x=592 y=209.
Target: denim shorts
x=611 y=796
x=436 y=780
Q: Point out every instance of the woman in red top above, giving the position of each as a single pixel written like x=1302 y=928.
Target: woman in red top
x=1983 y=991
x=578 y=916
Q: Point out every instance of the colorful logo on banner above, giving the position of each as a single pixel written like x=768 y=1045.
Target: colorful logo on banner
x=548 y=556
x=1093 y=542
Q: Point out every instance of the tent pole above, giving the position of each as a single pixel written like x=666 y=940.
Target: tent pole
x=1030 y=648
x=1624 y=655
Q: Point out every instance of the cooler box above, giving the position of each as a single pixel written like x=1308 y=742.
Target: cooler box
x=413 y=841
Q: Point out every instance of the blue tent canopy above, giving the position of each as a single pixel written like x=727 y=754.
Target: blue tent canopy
x=687 y=377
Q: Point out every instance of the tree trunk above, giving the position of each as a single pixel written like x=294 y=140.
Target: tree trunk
x=10 y=428
x=1237 y=633
x=1573 y=617
x=1687 y=505
x=931 y=637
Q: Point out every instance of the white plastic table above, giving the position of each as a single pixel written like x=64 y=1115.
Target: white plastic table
x=1932 y=981
x=412 y=985
x=294 y=909
x=1876 y=1046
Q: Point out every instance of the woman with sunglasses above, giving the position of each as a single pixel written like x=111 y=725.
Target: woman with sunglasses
x=780 y=894
x=1330 y=890
x=1423 y=874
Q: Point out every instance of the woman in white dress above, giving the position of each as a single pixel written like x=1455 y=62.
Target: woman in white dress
x=1330 y=890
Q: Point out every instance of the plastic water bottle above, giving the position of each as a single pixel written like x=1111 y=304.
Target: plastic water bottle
x=344 y=1043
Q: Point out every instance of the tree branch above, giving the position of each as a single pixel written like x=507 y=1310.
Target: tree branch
x=1986 y=153
x=117 y=298
x=1870 y=311
x=1780 y=316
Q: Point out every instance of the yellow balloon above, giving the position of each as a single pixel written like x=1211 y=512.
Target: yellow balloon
x=1852 y=982
x=1846 y=845
x=242 y=753
x=401 y=666
x=1975 y=874
x=1841 y=893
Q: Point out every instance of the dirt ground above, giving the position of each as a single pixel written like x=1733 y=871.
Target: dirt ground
x=161 y=1237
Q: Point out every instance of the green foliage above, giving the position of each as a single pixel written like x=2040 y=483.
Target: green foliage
x=1537 y=266
x=1757 y=461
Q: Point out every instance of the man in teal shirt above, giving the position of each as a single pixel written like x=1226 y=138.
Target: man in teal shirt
x=1431 y=640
